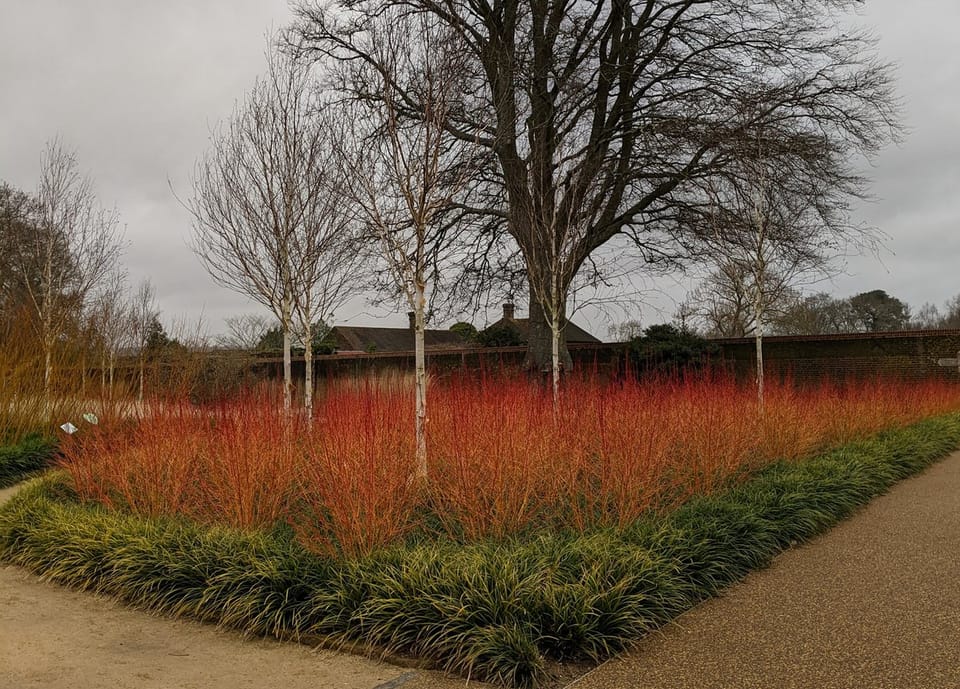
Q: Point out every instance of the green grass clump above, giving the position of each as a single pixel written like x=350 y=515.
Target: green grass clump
x=25 y=457
x=497 y=610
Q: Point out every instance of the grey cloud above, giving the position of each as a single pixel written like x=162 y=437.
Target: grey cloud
x=136 y=86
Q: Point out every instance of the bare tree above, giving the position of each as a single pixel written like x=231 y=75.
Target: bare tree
x=110 y=318
x=610 y=114
x=927 y=317
x=951 y=314
x=143 y=317
x=244 y=331
x=257 y=191
x=720 y=304
x=75 y=243
x=930 y=317
x=723 y=304
x=814 y=314
x=402 y=174
x=625 y=330
x=775 y=218
x=327 y=256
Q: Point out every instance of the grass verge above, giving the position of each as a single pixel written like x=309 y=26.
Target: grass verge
x=494 y=610
x=26 y=457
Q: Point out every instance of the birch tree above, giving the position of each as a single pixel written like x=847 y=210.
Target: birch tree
x=143 y=315
x=110 y=316
x=256 y=194
x=775 y=218
x=327 y=256
x=73 y=246
x=402 y=174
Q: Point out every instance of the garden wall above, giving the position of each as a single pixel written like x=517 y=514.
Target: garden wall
x=601 y=359
x=911 y=355
x=905 y=355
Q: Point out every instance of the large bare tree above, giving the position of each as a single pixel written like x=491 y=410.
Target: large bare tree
x=244 y=331
x=602 y=117
x=259 y=192
x=402 y=175
x=72 y=245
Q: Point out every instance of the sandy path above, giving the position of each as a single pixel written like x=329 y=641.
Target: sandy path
x=55 y=638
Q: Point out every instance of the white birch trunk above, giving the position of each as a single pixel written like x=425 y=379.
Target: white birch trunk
x=47 y=370
x=47 y=321
x=555 y=362
x=420 y=382
x=308 y=369
x=758 y=340
x=286 y=325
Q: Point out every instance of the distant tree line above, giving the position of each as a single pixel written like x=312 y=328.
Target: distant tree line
x=59 y=253
x=715 y=311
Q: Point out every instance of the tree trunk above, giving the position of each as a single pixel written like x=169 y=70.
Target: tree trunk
x=286 y=325
x=143 y=364
x=420 y=383
x=540 y=343
x=758 y=340
x=47 y=324
x=555 y=364
x=308 y=369
x=47 y=371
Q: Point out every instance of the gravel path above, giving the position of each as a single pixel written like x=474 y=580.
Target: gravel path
x=873 y=604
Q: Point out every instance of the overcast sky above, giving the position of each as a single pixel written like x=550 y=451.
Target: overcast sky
x=135 y=88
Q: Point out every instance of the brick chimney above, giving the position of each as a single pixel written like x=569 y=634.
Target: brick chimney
x=508 y=310
x=413 y=319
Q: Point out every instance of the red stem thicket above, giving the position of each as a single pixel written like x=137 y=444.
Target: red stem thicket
x=503 y=458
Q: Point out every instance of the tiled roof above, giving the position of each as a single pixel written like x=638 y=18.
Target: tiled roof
x=366 y=339
x=573 y=332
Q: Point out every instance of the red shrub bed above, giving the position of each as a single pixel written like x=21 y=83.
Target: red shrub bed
x=502 y=459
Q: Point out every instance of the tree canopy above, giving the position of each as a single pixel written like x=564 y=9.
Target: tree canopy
x=604 y=118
